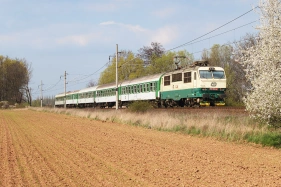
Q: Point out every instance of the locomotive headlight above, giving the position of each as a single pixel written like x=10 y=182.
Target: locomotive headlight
x=211 y=69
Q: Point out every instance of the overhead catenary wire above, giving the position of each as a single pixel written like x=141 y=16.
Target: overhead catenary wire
x=213 y=30
x=128 y=62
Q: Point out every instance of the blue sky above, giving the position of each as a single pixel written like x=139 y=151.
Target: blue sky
x=77 y=36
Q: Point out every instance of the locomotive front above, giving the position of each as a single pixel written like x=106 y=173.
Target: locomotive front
x=198 y=85
x=212 y=82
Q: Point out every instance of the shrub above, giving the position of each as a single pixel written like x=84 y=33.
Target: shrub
x=4 y=104
x=140 y=106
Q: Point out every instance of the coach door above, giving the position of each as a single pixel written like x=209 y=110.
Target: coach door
x=194 y=80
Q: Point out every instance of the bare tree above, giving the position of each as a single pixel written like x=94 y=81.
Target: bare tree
x=150 y=53
x=92 y=83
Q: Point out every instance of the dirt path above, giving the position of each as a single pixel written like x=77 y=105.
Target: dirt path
x=46 y=149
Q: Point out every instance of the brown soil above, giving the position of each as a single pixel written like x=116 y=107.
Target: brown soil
x=47 y=149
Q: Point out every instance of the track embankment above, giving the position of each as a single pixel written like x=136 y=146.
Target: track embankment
x=47 y=149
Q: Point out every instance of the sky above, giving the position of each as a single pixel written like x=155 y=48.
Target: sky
x=78 y=36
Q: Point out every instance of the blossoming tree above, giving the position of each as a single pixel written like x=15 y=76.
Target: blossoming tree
x=262 y=63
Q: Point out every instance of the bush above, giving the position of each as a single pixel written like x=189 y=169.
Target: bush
x=140 y=106
x=231 y=102
x=4 y=104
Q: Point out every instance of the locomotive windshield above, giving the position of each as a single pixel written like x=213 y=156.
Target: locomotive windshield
x=205 y=74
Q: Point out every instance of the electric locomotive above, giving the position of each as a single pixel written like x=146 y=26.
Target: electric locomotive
x=198 y=85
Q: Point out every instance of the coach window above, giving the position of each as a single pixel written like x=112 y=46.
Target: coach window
x=194 y=76
x=166 y=80
x=141 y=88
x=187 y=77
x=152 y=86
x=147 y=87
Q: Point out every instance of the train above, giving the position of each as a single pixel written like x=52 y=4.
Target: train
x=197 y=85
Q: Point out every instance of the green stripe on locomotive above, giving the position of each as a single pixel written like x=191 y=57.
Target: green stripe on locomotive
x=176 y=95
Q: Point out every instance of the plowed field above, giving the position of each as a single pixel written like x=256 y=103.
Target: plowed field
x=47 y=149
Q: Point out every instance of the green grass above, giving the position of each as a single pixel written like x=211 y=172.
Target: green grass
x=267 y=139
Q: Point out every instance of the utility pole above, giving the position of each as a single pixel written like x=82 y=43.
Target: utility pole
x=64 y=89
x=41 y=98
x=30 y=99
x=116 y=76
x=41 y=95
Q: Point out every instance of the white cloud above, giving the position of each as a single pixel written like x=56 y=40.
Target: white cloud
x=165 y=35
x=79 y=39
x=108 y=23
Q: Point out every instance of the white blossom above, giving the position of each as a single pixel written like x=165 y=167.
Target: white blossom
x=263 y=65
